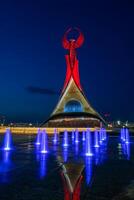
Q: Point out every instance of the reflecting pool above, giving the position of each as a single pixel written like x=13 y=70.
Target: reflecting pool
x=26 y=173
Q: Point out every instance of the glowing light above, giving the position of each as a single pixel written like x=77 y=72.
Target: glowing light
x=43 y=168
x=88 y=143
x=128 y=150
x=123 y=136
x=127 y=135
x=38 y=138
x=65 y=154
x=88 y=169
x=7 y=140
x=97 y=156
x=55 y=136
x=44 y=142
x=65 y=139
x=100 y=136
x=76 y=136
x=73 y=106
x=118 y=122
x=83 y=136
x=71 y=59
x=6 y=165
x=96 y=139
x=72 y=135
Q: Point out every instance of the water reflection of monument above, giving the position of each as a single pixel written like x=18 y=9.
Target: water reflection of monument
x=73 y=108
x=72 y=178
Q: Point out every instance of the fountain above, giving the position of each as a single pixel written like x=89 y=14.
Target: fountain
x=83 y=136
x=55 y=136
x=76 y=136
x=100 y=136
x=96 y=139
x=44 y=142
x=127 y=135
x=72 y=135
x=38 y=138
x=123 y=135
x=88 y=143
x=104 y=134
x=65 y=139
x=7 y=140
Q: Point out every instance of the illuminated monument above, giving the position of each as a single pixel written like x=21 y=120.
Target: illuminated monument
x=73 y=108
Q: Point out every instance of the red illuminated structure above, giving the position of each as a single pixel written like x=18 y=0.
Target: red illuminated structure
x=73 y=108
x=71 y=59
x=72 y=179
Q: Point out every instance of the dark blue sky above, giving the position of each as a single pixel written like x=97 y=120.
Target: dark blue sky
x=31 y=55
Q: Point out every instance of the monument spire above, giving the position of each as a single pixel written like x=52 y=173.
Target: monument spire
x=72 y=62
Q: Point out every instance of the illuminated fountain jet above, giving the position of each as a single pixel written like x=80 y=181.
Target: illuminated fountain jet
x=127 y=135
x=83 y=136
x=88 y=143
x=76 y=136
x=44 y=142
x=38 y=137
x=123 y=134
x=73 y=135
x=104 y=134
x=65 y=139
x=7 y=140
x=96 y=135
x=55 y=136
x=100 y=136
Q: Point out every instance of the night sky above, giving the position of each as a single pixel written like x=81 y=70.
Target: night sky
x=32 y=63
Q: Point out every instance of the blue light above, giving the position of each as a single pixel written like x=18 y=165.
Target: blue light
x=55 y=136
x=127 y=135
x=44 y=142
x=100 y=136
x=65 y=139
x=97 y=156
x=65 y=154
x=96 y=134
x=43 y=168
x=73 y=106
x=88 y=143
x=123 y=135
x=72 y=135
x=83 y=136
x=88 y=169
x=7 y=140
x=5 y=166
x=76 y=136
x=38 y=137
x=128 y=150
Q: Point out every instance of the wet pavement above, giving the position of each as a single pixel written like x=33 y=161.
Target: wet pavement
x=26 y=174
